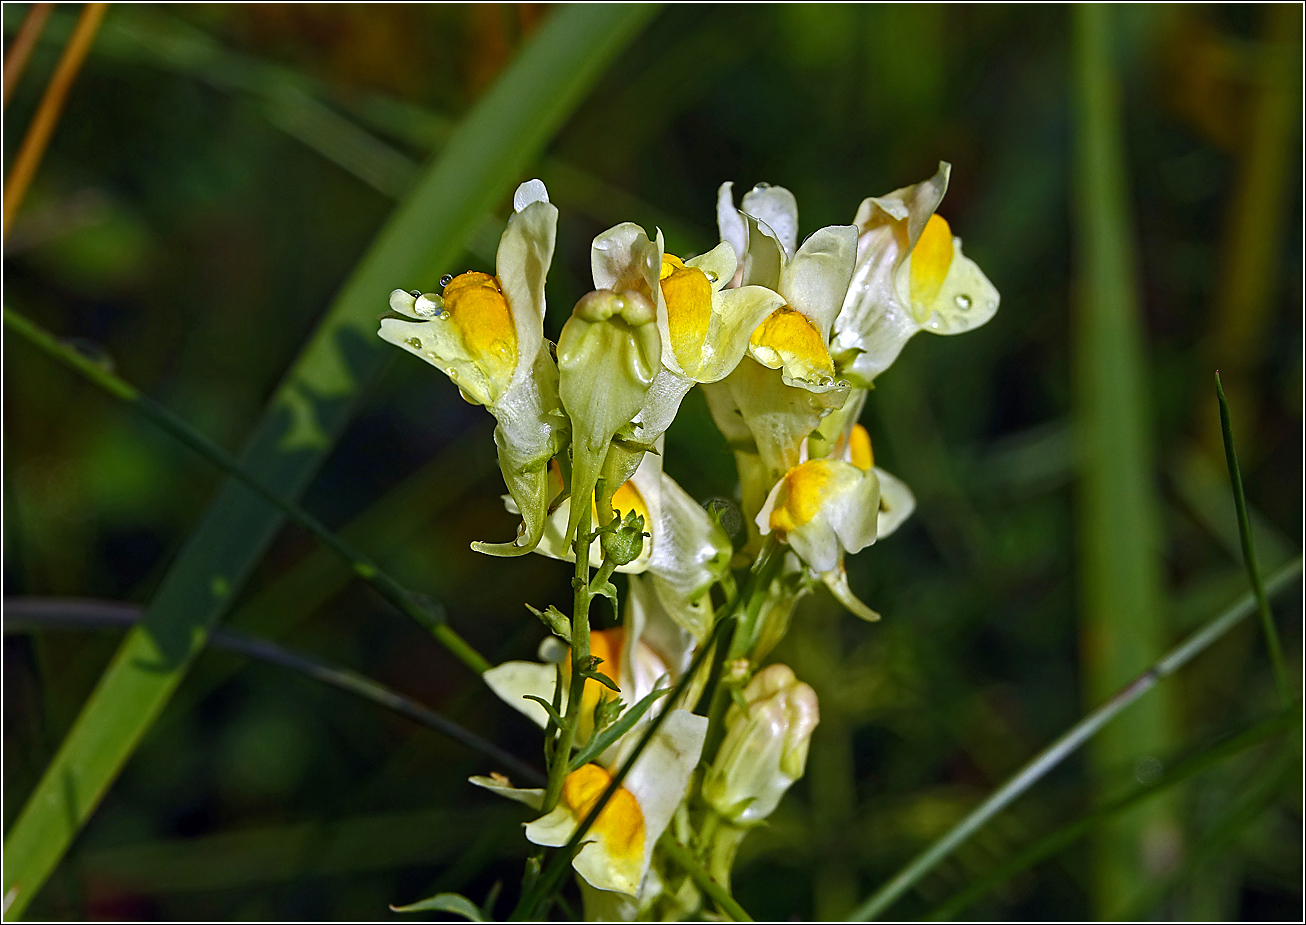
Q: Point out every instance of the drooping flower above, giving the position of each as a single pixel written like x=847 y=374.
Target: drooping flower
x=487 y=334
x=911 y=276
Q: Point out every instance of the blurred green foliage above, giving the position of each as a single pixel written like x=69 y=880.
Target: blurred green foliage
x=218 y=172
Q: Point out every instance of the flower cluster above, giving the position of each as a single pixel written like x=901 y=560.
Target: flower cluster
x=786 y=339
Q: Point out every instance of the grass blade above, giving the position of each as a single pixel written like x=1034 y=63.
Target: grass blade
x=492 y=149
x=1066 y=745
x=428 y=615
x=1249 y=549
x=36 y=613
x=1052 y=844
x=1122 y=614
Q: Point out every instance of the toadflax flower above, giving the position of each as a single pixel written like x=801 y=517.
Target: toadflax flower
x=826 y=507
x=911 y=276
x=765 y=748
x=486 y=333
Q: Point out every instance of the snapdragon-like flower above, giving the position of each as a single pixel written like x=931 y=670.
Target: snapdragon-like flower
x=609 y=353
x=827 y=507
x=765 y=748
x=812 y=279
x=486 y=333
x=685 y=552
x=911 y=276
x=648 y=652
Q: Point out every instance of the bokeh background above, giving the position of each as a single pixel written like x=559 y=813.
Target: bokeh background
x=219 y=170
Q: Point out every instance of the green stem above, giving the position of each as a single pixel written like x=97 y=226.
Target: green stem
x=548 y=881
x=580 y=654
x=1249 y=549
x=700 y=875
x=1066 y=745
x=427 y=614
x=1274 y=725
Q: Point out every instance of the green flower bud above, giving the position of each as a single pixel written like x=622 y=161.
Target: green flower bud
x=765 y=749
x=623 y=545
x=608 y=355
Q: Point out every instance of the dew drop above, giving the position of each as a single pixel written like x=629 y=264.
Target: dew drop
x=415 y=293
x=963 y=302
x=426 y=308
x=762 y=186
x=711 y=277
x=414 y=343
x=453 y=374
x=443 y=316
x=446 y=280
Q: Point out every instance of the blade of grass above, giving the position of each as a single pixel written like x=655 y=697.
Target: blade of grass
x=269 y=854
x=700 y=875
x=56 y=613
x=496 y=143
x=1122 y=618
x=1066 y=745
x=48 y=111
x=29 y=33
x=1249 y=549
x=409 y=603
x=1272 y=726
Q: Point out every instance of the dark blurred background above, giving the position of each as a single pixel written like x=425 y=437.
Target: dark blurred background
x=218 y=171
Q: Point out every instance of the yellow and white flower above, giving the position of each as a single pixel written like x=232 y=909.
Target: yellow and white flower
x=487 y=334
x=827 y=507
x=765 y=748
x=911 y=276
x=812 y=279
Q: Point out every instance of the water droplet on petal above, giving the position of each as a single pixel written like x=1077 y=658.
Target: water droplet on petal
x=963 y=302
x=426 y=308
x=761 y=186
x=446 y=280
x=711 y=277
x=414 y=343
x=453 y=374
x=415 y=293
x=443 y=316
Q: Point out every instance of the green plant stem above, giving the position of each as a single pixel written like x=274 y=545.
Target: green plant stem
x=430 y=617
x=561 y=859
x=700 y=875
x=1249 y=549
x=1067 y=744
x=580 y=654
x=58 y=613
x=1268 y=728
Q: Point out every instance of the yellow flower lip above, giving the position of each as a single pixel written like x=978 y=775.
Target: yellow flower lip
x=687 y=292
x=606 y=645
x=930 y=260
x=787 y=338
x=620 y=824
x=859 y=448
x=477 y=307
x=802 y=492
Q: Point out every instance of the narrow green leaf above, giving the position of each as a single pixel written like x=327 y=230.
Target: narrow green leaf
x=489 y=153
x=453 y=903
x=600 y=742
x=548 y=708
x=1122 y=613
x=1084 y=730
x=1249 y=549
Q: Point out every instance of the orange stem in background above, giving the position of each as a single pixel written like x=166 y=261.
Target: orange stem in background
x=28 y=34
x=47 y=114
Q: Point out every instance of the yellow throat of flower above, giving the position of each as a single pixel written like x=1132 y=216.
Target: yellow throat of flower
x=802 y=492
x=621 y=823
x=930 y=260
x=476 y=306
x=859 y=448
x=604 y=644
x=688 y=294
x=788 y=338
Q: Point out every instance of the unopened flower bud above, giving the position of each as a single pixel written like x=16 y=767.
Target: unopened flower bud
x=765 y=749
x=624 y=544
